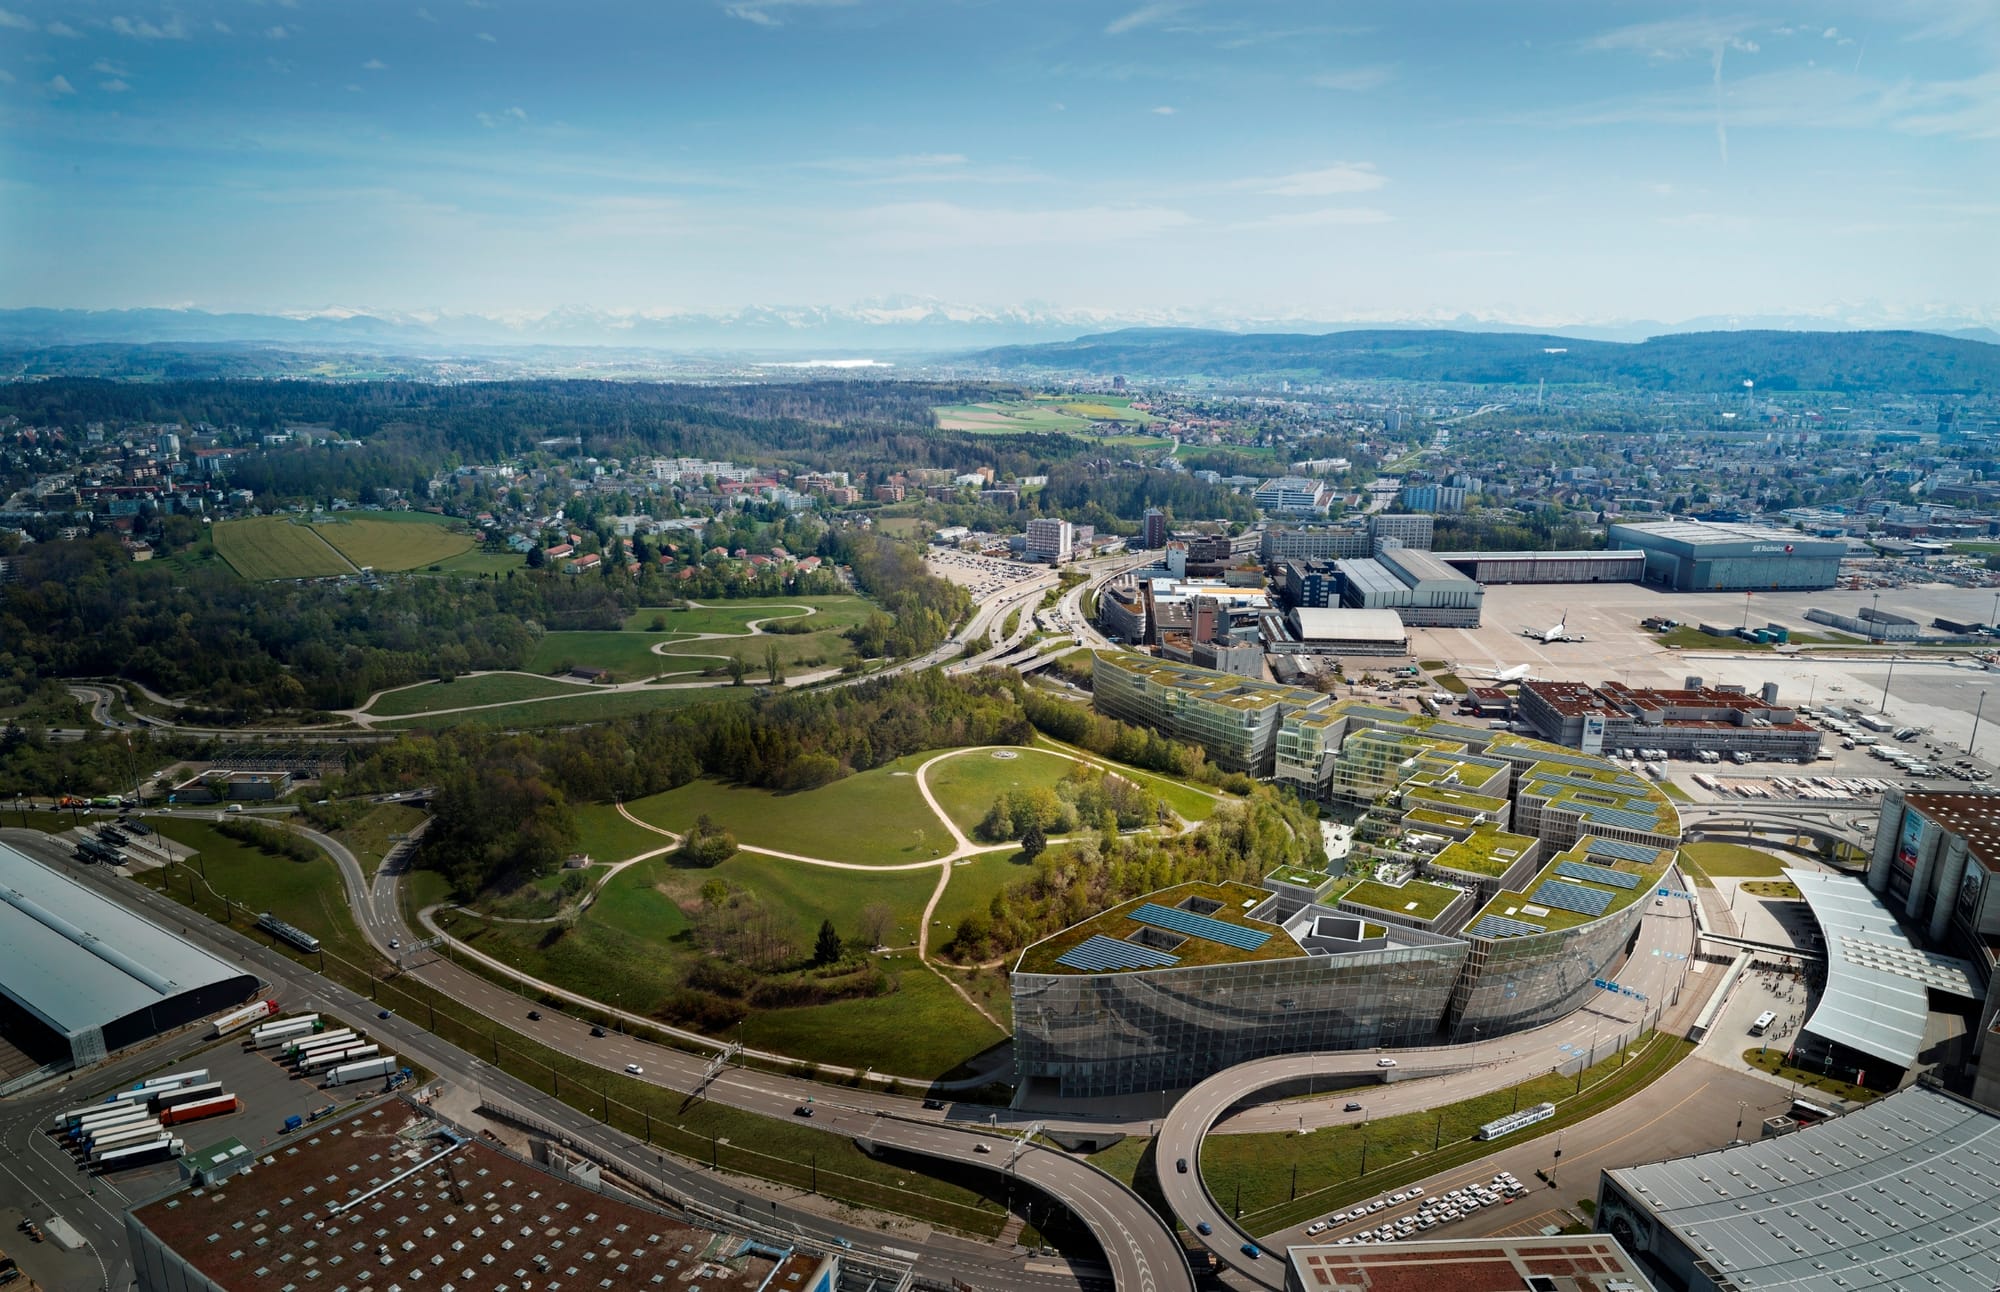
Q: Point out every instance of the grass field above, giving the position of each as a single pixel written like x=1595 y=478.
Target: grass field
x=735 y=616
x=492 y=688
x=967 y=784
x=1191 y=803
x=1071 y=416
x=606 y=836
x=921 y=1028
x=872 y=818
x=478 y=564
x=1733 y=860
x=973 y=884
x=272 y=547
x=305 y=893
x=630 y=657
x=584 y=708
x=369 y=834
x=1695 y=639
x=396 y=540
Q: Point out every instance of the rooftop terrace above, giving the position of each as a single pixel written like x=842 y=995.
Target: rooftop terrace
x=1227 y=903
x=1532 y=903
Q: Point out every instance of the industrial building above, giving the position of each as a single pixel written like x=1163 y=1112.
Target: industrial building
x=1343 y=632
x=1692 y=556
x=1896 y=1195
x=1548 y=567
x=1935 y=862
x=1422 y=590
x=1503 y=930
x=461 y=1213
x=82 y=977
x=1569 y=1263
x=1347 y=540
x=1724 y=720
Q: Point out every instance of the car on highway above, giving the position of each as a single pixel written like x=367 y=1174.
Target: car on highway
x=534 y=1016
x=803 y=1110
x=1180 y=1165
x=1252 y=1250
x=1203 y=1228
x=1385 y=1063
x=597 y=1031
x=1352 y=1107
x=395 y=943
x=381 y=1013
x=635 y=1070
x=933 y=1104
x=981 y=1148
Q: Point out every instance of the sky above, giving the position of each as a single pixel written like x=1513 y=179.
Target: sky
x=1536 y=162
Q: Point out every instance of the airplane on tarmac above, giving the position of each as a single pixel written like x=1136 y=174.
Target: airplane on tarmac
x=1518 y=673
x=1549 y=636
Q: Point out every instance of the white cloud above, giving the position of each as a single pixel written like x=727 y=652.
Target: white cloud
x=113 y=86
x=374 y=65
x=488 y=37
x=1324 y=218
x=1678 y=37
x=17 y=21
x=109 y=68
x=425 y=14
x=141 y=29
x=1144 y=16
x=60 y=28
x=277 y=33
x=223 y=27
x=1355 y=80
x=949 y=224
x=60 y=85
x=1329 y=181
x=768 y=13
x=352 y=88
x=518 y=114
x=6 y=77
x=1163 y=111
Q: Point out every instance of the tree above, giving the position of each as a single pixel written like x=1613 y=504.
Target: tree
x=708 y=844
x=774 y=663
x=876 y=918
x=738 y=670
x=827 y=949
x=1033 y=841
x=537 y=558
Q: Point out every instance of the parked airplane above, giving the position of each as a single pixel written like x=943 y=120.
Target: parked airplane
x=1518 y=673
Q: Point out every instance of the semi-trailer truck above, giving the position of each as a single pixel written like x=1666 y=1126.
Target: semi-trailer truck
x=142 y=1154
x=239 y=1018
x=196 y=1111
x=346 y=1072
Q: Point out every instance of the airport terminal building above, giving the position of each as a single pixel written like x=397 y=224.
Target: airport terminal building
x=1692 y=556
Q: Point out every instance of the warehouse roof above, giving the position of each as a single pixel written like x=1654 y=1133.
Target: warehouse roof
x=1349 y=625
x=1898 y=1194
x=1608 y=557
x=1878 y=984
x=76 y=960
x=1697 y=533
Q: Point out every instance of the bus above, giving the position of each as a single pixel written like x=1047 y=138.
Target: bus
x=277 y=928
x=1763 y=1023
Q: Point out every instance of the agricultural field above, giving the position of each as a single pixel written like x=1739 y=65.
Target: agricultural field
x=273 y=547
x=396 y=540
x=487 y=688
x=1038 y=415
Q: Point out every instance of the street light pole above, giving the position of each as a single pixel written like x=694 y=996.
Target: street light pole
x=1972 y=742
x=1884 y=706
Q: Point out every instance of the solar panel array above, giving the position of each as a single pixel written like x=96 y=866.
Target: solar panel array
x=1201 y=926
x=1619 y=817
x=1499 y=926
x=1097 y=953
x=1596 y=874
x=1623 y=851
x=1572 y=897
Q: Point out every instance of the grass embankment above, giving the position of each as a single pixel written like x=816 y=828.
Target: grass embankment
x=1672 y=791
x=370 y=830
x=1253 y=1173
x=583 y=708
x=1776 y=889
x=1772 y=1060
x=1730 y=861
x=308 y=894
x=464 y=693
x=1695 y=639
x=967 y=784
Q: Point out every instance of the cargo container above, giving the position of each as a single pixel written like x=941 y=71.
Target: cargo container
x=346 y=1072
x=319 y=1042
x=65 y=1120
x=237 y=1018
x=97 y=1148
x=103 y=1133
x=125 y=1116
x=321 y=1062
x=142 y=1154
x=187 y=1094
x=201 y=1108
x=293 y=1020
x=176 y=1079
x=280 y=1033
x=138 y=1094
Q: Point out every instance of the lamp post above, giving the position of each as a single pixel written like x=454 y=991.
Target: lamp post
x=1884 y=706
x=1972 y=741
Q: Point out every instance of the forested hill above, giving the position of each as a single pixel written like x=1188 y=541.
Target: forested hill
x=1907 y=362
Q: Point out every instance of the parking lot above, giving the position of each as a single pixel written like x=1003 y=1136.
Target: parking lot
x=982 y=575
x=259 y=1078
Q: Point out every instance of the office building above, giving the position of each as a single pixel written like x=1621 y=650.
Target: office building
x=1235 y=720
x=1293 y=495
x=1434 y=497
x=1311 y=584
x=1691 y=556
x=1050 y=540
x=1413 y=531
x=1324 y=543
x=1688 y=721
x=1154 y=535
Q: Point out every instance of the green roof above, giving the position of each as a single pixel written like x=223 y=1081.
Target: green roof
x=1117 y=923
x=1454 y=796
x=1488 y=851
x=1430 y=899
x=1509 y=903
x=1208 y=685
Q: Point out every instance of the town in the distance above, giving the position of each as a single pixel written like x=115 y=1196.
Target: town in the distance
x=1005 y=824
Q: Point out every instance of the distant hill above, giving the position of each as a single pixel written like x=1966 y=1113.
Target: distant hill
x=1909 y=362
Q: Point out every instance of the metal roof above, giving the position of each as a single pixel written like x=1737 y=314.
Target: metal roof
x=1349 y=625
x=1870 y=1003
x=76 y=960
x=1898 y=1194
